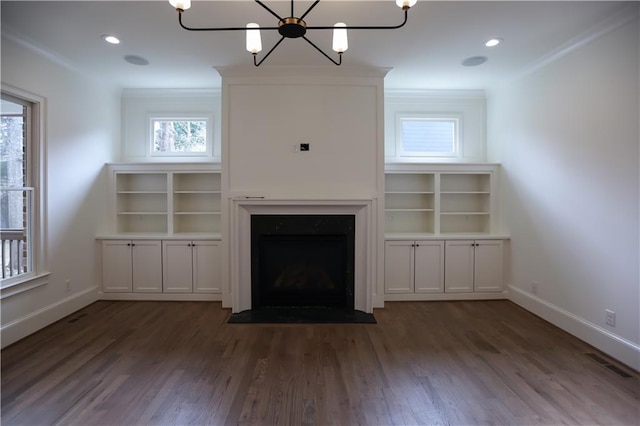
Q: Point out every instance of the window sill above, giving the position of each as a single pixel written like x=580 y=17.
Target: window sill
x=25 y=285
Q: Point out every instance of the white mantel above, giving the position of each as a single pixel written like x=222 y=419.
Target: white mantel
x=365 y=229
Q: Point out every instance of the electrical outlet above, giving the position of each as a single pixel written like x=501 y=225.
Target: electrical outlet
x=610 y=317
x=67 y=286
x=534 y=287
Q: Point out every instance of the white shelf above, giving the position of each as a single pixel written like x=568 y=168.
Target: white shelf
x=409 y=192
x=463 y=213
x=409 y=210
x=165 y=199
x=440 y=202
x=142 y=213
x=194 y=213
x=197 y=192
x=464 y=192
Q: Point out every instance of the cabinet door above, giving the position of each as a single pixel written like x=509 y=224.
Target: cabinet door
x=147 y=266
x=206 y=267
x=488 y=266
x=459 y=260
x=177 y=272
x=116 y=266
x=429 y=266
x=398 y=267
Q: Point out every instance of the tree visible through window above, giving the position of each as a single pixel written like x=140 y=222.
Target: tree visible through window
x=179 y=136
x=16 y=195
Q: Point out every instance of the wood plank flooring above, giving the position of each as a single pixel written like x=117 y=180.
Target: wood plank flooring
x=424 y=363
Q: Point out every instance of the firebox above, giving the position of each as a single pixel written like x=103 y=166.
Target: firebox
x=302 y=261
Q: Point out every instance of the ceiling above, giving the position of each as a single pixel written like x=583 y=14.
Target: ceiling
x=425 y=54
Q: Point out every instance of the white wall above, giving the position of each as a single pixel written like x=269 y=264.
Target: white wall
x=567 y=136
x=338 y=117
x=139 y=105
x=469 y=105
x=82 y=133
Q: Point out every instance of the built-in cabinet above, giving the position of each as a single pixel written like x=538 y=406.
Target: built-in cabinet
x=191 y=266
x=414 y=267
x=164 y=232
x=441 y=236
x=161 y=266
x=131 y=266
x=473 y=266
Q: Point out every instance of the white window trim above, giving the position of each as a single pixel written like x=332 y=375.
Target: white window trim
x=38 y=171
x=417 y=116
x=208 y=118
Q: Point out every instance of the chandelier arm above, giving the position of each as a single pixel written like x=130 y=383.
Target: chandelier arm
x=325 y=55
x=365 y=27
x=308 y=10
x=217 y=29
x=256 y=63
x=269 y=10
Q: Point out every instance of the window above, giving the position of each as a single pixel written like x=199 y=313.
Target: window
x=19 y=203
x=427 y=136
x=181 y=136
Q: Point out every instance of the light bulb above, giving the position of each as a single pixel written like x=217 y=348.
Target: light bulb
x=180 y=4
x=254 y=42
x=406 y=4
x=340 y=42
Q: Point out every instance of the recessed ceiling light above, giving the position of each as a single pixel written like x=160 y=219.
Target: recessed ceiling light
x=111 y=39
x=493 y=42
x=136 y=60
x=474 y=61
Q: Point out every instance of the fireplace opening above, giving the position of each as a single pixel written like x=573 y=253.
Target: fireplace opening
x=302 y=261
x=302 y=270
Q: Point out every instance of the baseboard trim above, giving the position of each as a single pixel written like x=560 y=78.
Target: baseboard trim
x=625 y=351
x=29 y=324
x=162 y=297
x=426 y=297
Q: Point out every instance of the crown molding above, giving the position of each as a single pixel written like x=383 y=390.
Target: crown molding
x=170 y=93
x=621 y=16
x=293 y=71
x=420 y=94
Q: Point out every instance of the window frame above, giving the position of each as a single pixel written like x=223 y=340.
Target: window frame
x=456 y=119
x=37 y=185
x=207 y=118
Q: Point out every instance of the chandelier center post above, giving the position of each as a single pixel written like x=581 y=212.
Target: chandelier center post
x=292 y=27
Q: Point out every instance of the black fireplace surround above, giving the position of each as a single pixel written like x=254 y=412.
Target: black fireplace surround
x=302 y=269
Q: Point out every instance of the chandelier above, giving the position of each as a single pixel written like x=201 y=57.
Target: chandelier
x=293 y=27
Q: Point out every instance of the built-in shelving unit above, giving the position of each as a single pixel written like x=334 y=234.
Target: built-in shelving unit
x=142 y=202
x=410 y=203
x=196 y=202
x=165 y=199
x=465 y=203
x=427 y=201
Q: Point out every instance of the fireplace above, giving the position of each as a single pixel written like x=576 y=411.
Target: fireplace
x=312 y=254
x=302 y=261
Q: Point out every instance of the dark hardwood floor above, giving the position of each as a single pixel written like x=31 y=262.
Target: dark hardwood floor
x=459 y=363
